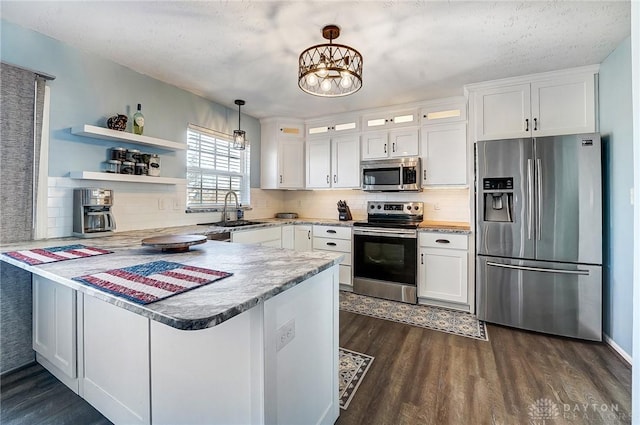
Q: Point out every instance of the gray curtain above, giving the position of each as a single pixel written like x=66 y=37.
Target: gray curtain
x=21 y=106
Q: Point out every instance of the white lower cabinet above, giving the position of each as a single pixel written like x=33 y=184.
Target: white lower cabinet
x=116 y=362
x=443 y=270
x=303 y=237
x=288 y=236
x=267 y=236
x=336 y=239
x=54 y=329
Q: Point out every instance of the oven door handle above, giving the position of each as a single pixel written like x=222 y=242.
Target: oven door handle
x=387 y=233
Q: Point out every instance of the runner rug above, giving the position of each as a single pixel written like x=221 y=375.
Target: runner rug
x=353 y=368
x=424 y=316
x=150 y=282
x=34 y=257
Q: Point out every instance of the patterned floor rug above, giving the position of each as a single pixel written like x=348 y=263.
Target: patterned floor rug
x=436 y=318
x=353 y=368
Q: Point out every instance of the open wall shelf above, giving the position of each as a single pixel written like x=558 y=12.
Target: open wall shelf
x=93 y=175
x=95 y=132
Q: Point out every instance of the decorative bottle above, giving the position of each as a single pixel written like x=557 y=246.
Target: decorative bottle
x=138 y=121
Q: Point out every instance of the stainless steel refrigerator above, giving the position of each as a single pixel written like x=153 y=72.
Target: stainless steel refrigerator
x=539 y=234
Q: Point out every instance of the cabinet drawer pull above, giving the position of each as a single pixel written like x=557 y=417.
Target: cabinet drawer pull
x=385 y=148
x=280 y=178
x=421 y=258
x=331 y=243
x=309 y=234
x=328 y=179
x=335 y=178
x=442 y=241
x=424 y=175
x=535 y=124
x=527 y=121
x=393 y=147
x=331 y=231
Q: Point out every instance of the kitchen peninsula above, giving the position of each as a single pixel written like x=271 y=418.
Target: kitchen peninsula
x=260 y=346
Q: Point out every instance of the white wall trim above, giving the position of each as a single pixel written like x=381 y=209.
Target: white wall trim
x=611 y=343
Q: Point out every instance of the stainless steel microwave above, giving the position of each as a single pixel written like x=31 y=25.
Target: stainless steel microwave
x=391 y=175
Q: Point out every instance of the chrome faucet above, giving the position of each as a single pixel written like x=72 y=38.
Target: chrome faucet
x=226 y=199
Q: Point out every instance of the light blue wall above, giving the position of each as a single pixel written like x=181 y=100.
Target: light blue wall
x=616 y=127
x=88 y=89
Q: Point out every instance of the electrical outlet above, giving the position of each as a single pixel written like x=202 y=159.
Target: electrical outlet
x=161 y=204
x=285 y=334
x=436 y=206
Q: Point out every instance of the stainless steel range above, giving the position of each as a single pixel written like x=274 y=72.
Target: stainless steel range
x=385 y=251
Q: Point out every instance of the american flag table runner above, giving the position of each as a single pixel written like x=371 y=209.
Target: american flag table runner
x=34 y=257
x=150 y=282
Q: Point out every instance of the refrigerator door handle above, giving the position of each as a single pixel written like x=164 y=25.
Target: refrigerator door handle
x=539 y=196
x=529 y=197
x=538 y=269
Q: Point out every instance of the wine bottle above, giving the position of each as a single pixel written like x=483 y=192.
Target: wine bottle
x=138 y=121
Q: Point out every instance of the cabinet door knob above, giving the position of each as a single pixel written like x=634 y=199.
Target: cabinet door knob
x=442 y=241
x=535 y=124
x=527 y=122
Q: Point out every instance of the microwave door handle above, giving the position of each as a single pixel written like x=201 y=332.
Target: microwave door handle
x=111 y=221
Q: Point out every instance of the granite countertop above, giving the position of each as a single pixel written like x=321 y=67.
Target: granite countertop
x=259 y=273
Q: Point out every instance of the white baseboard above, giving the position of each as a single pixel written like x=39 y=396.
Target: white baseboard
x=617 y=348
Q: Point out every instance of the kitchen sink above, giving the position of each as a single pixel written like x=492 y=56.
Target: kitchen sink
x=232 y=223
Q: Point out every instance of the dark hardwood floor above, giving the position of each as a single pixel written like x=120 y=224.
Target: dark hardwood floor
x=34 y=396
x=420 y=377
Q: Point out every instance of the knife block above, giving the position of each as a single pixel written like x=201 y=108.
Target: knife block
x=344 y=213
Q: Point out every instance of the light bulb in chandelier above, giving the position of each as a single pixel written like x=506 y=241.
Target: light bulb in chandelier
x=345 y=80
x=322 y=70
x=312 y=80
x=325 y=85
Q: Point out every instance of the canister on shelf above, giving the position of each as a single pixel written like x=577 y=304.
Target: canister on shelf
x=133 y=155
x=141 y=169
x=112 y=166
x=154 y=165
x=119 y=154
x=127 y=167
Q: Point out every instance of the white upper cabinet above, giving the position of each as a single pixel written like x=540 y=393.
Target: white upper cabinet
x=333 y=163
x=318 y=164
x=444 y=111
x=390 y=144
x=382 y=120
x=553 y=103
x=331 y=127
x=345 y=162
x=282 y=154
x=443 y=149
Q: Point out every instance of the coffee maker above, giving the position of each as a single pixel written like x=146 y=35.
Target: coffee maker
x=92 y=215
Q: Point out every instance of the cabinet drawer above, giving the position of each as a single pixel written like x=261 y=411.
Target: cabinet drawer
x=336 y=232
x=331 y=244
x=443 y=240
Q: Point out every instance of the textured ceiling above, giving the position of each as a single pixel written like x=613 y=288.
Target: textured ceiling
x=413 y=50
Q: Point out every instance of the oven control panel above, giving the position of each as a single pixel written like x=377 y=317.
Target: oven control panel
x=395 y=208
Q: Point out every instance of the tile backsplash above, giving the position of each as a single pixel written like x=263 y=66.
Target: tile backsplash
x=149 y=206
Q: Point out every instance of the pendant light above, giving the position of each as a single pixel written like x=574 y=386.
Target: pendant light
x=330 y=70
x=239 y=136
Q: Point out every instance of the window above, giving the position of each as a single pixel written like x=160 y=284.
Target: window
x=214 y=168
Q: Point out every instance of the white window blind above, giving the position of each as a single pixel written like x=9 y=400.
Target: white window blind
x=214 y=168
